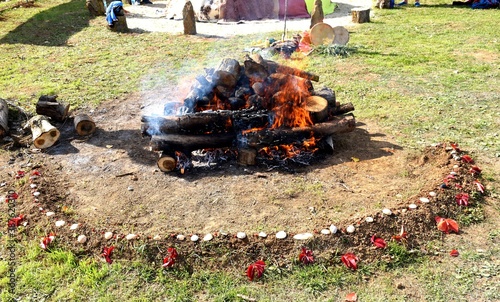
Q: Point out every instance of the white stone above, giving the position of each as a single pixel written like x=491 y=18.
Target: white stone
x=424 y=200
x=325 y=232
x=208 y=237
x=195 y=238
x=181 y=237
x=432 y=194
x=82 y=239
x=36 y=194
x=369 y=219
x=387 y=211
x=456 y=166
x=241 y=235
x=60 y=223
x=262 y=235
x=350 y=229
x=453 y=173
x=157 y=237
x=130 y=188
x=281 y=235
x=108 y=235
x=403 y=211
x=333 y=229
x=131 y=236
x=412 y=206
x=33 y=186
x=74 y=226
x=303 y=236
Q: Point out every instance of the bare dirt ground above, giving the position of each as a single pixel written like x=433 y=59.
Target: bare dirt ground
x=109 y=182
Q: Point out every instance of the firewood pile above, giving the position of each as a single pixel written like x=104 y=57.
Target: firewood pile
x=255 y=108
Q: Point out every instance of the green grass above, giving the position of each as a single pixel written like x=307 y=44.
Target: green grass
x=425 y=74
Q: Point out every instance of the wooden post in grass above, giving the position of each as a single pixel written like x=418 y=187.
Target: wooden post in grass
x=120 y=25
x=188 y=19
x=360 y=15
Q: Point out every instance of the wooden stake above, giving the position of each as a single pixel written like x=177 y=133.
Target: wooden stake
x=360 y=15
x=4 y=118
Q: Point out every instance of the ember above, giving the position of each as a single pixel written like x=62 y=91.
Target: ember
x=261 y=109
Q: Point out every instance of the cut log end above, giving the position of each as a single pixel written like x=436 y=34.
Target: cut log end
x=47 y=139
x=84 y=125
x=246 y=157
x=166 y=163
x=360 y=15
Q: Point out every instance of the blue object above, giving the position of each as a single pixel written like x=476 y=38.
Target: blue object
x=402 y=3
x=417 y=4
x=111 y=11
x=391 y=4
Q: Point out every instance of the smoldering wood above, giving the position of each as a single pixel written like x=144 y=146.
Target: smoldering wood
x=246 y=156
x=279 y=68
x=49 y=106
x=284 y=136
x=4 y=118
x=44 y=134
x=188 y=143
x=205 y=121
x=84 y=125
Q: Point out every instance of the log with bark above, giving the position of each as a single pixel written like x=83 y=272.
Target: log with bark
x=360 y=15
x=44 y=134
x=49 y=106
x=284 y=136
x=4 y=118
x=84 y=125
x=169 y=143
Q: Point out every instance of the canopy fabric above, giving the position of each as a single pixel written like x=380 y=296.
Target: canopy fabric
x=328 y=6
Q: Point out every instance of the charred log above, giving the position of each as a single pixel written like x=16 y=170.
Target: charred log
x=48 y=105
x=170 y=143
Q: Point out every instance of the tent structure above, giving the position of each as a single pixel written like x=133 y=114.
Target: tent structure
x=248 y=10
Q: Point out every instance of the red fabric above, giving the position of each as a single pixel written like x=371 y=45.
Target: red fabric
x=296 y=9
x=235 y=10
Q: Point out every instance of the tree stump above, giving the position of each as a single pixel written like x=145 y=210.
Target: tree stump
x=84 y=125
x=4 y=118
x=44 y=134
x=96 y=7
x=120 y=25
x=360 y=15
x=189 y=19
x=317 y=15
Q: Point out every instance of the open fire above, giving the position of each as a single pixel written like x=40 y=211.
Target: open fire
x=260 y=109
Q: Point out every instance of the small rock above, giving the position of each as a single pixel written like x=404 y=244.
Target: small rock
x=208 y=237
x=303 y=236
x=36 y=194
x=350 y=229
x=424 y=200
x=74 y=226
x=131 y=236
x=108 y=235
x=281 y=235
x=453 y=173
x=325 y=232
x=412 y=206
x=60 y=223
x=195 y=238
x=82 y=239
x=403 y=211
x=432 y=194
x=241 y=235
x=130 y=188
x=33 y=186
x=456 y=166
x=333 y=229
x=369 y=219
x=387 y=211
x=180 y=237
x=157 y=237
x=262 y=235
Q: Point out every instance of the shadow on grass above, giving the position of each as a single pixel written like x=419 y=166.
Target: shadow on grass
x=51 y=27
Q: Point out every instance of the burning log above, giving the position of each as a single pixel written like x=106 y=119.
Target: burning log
x=48 y=105
x=169 y=143
x=84 y=125
x=44 y=134
x=284 y=136
x=4 y=118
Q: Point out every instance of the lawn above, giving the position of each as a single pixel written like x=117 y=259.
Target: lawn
x=424 y=75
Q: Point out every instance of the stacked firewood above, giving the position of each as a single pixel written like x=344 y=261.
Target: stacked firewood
x=247 y=107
